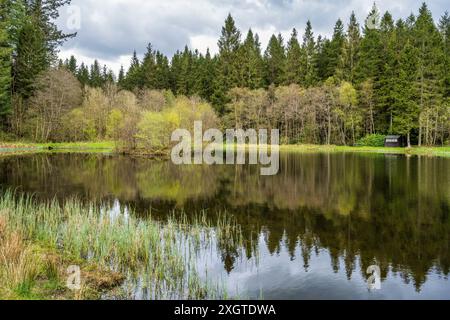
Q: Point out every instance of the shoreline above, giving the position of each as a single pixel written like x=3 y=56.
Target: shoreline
x=18 y=148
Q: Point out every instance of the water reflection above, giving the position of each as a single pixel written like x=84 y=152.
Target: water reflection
x=318 y=225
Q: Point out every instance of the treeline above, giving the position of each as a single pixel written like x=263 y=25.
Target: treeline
x=62 y=110
x=29 y=41
x=383 y=77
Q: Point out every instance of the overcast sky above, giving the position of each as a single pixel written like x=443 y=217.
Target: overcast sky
x=111 y=30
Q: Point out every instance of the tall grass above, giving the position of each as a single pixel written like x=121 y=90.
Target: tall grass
x=159 y=257
x=19 y=264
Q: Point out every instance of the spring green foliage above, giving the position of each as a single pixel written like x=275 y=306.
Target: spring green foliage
x=373 y=140
x=399 y=71
x=5 y=64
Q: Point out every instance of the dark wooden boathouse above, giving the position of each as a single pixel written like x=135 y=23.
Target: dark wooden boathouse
x=394 y=141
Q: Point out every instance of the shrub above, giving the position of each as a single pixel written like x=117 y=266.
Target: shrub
x=373 y=140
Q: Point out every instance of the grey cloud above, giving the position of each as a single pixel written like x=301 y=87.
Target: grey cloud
x=114 y=28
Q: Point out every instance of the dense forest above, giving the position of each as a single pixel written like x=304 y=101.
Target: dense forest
x=376 y=78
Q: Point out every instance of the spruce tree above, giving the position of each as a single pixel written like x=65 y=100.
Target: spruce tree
x=162 y=72
x=351 y=49
x=37 y=39
x=72 y=65
x=5 y=64
x=148 y=69
x=444 y=27
x=275 y=61
x=133 y=78
x=428 y=41
x=334 y=54
x=405 y=108
x=121 y=77
x=204 y=80
x=83 y=74
x=227 y=68
x=294 y=60
x=251 y=64
x=309 y=58
x=390 y=47
x=31 y=58
x=95 y=75
x=185 y=80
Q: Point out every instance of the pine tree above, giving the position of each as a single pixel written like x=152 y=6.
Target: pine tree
x=227 y=66
x=95 y=75
x=444 y=27
x=83 y=74
x=107 y=76
x=31 y=58
x=5 y=64
x=162 y=72
x=405 y=108
x=370 y=59
x=334 y=52
x=428 y=41
x=351 y=49
x=121 y=77
x=185 y=80
x=133 y=78
x=37 y=39
x=294 y=60
x=72 y=65
x=309 y=57
x=323 y=48
x=204 y=83
x=275 y=61
x=390 y=47
x=250 y=63
x=148 y=69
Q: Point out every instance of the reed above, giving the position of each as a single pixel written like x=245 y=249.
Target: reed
x=159 y=257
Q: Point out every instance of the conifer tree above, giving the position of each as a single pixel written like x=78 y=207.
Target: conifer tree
x=250 y=62
x=133 y=78
x=185 y=81
x=148 y=69
x=405 y=108
x=162 y=72
x=275 y=61
x=294 y=60
x=444 y=27
x=95 y=75
x=227 y=66
x=83 y=74
x=334 y=54
x=204 y=80
x=370 y=59
x=37 y=41
x=390 y=47
x=428 y=41
x=72 y=65
x=351 y=49
x=5 y=64
x=309 y=57
x=121 y=77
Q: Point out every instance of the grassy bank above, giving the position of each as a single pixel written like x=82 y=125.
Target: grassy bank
x=16 y=148
x=39 y=241
x=426 y=151
x=110 y=147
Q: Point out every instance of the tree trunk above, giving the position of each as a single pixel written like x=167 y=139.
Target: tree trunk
x=420 y=133
x=409 y=139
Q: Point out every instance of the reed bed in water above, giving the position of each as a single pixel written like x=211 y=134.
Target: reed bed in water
x=161 y=257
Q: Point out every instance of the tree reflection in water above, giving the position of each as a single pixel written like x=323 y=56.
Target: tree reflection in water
x=363 y=209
